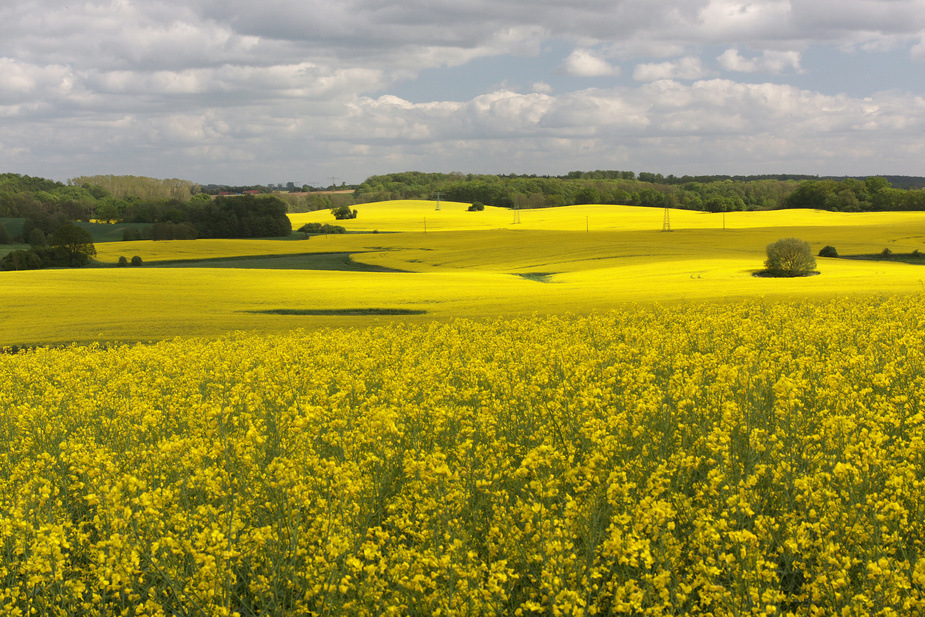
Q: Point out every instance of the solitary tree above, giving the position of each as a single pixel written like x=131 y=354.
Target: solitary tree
x=77 y=241
x=790 y=257
x=343 y=212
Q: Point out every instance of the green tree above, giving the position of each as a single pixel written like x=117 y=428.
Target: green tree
x=37 y=237
x=790 y=257
x=588 y=195
x=5 y=237
x=77 y=241
x=343 y=212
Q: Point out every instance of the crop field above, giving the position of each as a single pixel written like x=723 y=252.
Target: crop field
x=573 y=414
x=741 y=458
x=576 y=260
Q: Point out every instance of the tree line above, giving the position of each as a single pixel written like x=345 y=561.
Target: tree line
x=709 y=193
x=42 y=213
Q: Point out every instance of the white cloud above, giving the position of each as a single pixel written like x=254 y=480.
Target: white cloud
x=770 y=62
x=918 y=50
x=684 y=68
x=20 y=81
x=724 y=20
x=585 y=63
x=137 y=86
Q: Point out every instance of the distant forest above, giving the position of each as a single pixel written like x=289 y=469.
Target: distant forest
x=710 y=193
x=181 y=209
x=34 y=208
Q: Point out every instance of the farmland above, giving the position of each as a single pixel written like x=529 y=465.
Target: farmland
x=578 y=260
x=573 y=414
x=747 y=458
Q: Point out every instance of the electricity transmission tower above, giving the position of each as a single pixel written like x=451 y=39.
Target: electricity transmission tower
x=666 y=221
x=438 y=196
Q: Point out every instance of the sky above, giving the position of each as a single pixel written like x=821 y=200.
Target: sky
x=324 y=91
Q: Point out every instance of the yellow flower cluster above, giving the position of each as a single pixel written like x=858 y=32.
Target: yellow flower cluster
x=718 y=459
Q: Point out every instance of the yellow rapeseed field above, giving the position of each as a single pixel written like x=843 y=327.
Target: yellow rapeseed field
x=577 y=259
x=416 y=215
x=737 y=458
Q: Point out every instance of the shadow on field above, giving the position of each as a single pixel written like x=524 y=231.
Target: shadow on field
x=342 y=262
x=539 y=277
x=348 y=311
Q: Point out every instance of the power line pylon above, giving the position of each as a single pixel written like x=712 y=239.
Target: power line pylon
x=666 y=221
x=438 y=196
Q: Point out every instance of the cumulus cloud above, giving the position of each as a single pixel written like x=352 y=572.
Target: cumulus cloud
x=684 y=68
x=219 y=88
x=585 y=63
x=770 y=62
x=918 y=50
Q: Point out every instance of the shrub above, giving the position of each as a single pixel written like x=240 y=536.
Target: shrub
x=828 y=251
x=37 y=237
x=321 y=228
x=136 y=260
x=886 y=253
x=5 y=237
x=790 y=257
x=476 y=206
x=123 y=262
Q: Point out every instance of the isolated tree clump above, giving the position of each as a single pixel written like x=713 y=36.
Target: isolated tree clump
x=790 y=257
x=76 y=241
x=319 y=228
x=344 y=212
x=828 y=251
x=476 y=206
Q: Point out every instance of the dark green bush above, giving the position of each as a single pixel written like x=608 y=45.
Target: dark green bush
x=790 y=257
x=321 y=228
x=828 y=251
x=130 y=234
